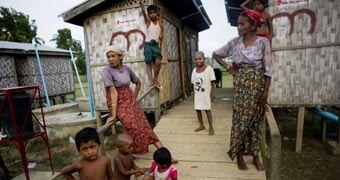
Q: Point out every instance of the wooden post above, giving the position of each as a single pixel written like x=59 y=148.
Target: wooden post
x=299 y=130
x=182 y=56
x=275 y=145
x=157 y=104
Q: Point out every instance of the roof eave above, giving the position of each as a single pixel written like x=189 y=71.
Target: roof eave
x=75 y=15
x=24 y=52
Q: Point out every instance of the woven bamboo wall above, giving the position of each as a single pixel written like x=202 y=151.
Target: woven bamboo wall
x=306 y=53
x=8 y=77
x=172 y=46
x=100 y=31
x=57 y=73
x=191 y=42
x=124 y=24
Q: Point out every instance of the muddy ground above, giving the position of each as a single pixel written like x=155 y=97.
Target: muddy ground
x=314 y=162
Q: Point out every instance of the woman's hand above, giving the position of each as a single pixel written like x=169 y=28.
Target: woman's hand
x=263 y=101
x=111 y=119
x=231 y=69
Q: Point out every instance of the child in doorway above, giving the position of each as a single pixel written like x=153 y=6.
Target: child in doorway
x=153 y=42
x=91 y=165
x=124 y=164
x=161 y=167
x=265 y=28
x=203 y=78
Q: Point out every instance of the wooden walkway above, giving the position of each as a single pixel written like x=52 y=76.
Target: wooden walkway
x=201 y=157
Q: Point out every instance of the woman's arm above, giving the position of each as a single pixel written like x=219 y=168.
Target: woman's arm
x=267 y=80
x=114 y=97
x=135 y=80
x=264 y=97
x=267 y=62
x=137 y=88
x=110 y=86
x=226 y=66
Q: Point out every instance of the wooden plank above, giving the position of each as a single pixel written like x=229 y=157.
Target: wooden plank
x=299 y=130
x=211 y=171
x=200 y=156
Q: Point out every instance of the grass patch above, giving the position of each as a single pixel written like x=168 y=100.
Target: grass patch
x=227 y=80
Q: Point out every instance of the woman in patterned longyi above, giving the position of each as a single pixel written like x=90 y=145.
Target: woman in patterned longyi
x=122 y=102
x=251 y=68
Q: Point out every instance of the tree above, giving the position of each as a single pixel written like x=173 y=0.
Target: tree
x=16 y=27
x=64 y=40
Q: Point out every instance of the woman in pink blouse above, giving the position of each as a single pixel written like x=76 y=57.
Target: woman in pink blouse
x=251 y=68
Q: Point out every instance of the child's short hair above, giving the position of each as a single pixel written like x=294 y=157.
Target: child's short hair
x=200 y=53
x=151 y=8
x=121 y=138
x=85 y=135
x=162 y=156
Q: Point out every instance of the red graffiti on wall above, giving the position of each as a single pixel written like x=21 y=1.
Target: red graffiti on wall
x=123 y=22
x=291 y=17
x=284 y=2
x=126 y=35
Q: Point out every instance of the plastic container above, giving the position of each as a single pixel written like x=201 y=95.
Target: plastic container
x=21 y=106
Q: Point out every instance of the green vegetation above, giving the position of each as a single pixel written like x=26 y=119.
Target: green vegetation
x=16 y=27
x=227 y=79
x=64 y=40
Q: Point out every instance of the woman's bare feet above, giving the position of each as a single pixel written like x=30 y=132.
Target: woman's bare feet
x=240 y=162
x=211 y=131
x=200 y=128
x=259 y=165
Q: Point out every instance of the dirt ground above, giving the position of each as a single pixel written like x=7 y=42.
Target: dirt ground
x=314 y=162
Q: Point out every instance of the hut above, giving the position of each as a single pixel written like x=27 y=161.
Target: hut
x=305 y=49
x=122 y=22
x=19 y=67
x=306 y=63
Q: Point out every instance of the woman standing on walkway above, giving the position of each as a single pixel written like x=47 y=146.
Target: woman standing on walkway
x=122 y=102
x=251 y=68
